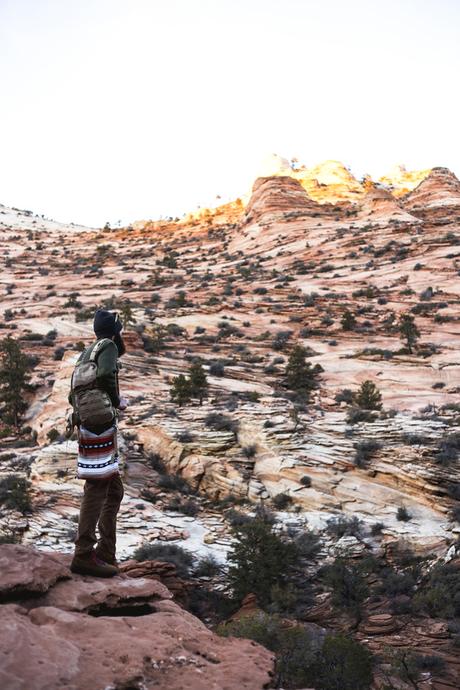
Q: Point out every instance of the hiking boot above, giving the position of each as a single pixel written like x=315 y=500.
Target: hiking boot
x=92 y=565
x=107 y=559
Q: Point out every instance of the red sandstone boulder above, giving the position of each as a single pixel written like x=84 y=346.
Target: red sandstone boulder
x=24 y=570
x=121 y=633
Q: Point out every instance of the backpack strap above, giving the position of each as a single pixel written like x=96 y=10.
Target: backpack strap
x=98 y=346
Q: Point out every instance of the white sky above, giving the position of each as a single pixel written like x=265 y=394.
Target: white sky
x=128 y=109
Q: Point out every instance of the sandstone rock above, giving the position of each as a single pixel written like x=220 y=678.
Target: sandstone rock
x=25 y=571
x=271 y=196
x=378 y=205
x=159 y=571
x=122 y=632
x=168 y=649
x=439 y=190
x=92 y=595
x=329 y=182
x=400 y=181
x=348 y=546
x=380 y=624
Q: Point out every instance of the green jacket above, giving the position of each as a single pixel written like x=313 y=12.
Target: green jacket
x=107 y=370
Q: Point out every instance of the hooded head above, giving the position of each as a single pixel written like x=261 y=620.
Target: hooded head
x=107 y=324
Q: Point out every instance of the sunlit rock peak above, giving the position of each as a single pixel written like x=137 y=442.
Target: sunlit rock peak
x=400 y=180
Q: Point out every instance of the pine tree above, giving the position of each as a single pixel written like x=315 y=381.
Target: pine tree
x=300 y=375
x=126 y=314
x=368 y=396
x=180 y=390
x=153 y=339
x=259 y=560
x=408 y=331
x=14 y=380
x=198 y=382
x=348 y=320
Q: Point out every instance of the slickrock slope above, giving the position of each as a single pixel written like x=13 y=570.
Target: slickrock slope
x=118 y=633
x=239 y=295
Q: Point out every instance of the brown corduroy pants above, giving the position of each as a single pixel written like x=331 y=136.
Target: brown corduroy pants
x=99 y=508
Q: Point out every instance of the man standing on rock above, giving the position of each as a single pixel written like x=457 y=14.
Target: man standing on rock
x=97 y=449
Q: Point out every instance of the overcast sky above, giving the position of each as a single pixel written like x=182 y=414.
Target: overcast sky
x=128 y=109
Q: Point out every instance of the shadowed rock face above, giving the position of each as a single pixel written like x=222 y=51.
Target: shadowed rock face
x=123 y=632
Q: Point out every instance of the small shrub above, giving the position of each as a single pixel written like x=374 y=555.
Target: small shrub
x=10 y=537
x=395 y=584
x=249 y=451
x=403 y=514
x=356 y=415
x=345 y=395
x=364 y=452
x=59 y=353
x=53 y=435
x=15 y=493
x=377 y=528
x=185 y=437
x=237 y=518
x=188 y=507
x=343 y=526
x=281 y=501
x=171 y=482
x=217 y=369
x=156 y=463
x=169 y=553
x=448 y=449
x=308 y=545
x=221 y=422
x=305 y=480
x=208 y=566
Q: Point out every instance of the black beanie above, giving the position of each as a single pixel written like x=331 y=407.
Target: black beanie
x=106 y=324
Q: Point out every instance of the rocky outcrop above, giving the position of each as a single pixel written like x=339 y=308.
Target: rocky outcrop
x=401 y=181
x=380 y=206
x=330 y=182
x=437 y=196
x=275 y=197
x=27 y=572
x=118 y=633
x=158 y=571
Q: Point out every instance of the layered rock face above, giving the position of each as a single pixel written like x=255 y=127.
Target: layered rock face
x=436 y=196
x=118 y=633
x=380 y=203
x=274 y=196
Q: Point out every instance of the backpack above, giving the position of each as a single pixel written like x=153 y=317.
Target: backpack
x=92 y=406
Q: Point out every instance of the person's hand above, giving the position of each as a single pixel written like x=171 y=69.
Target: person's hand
x=123 y=404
